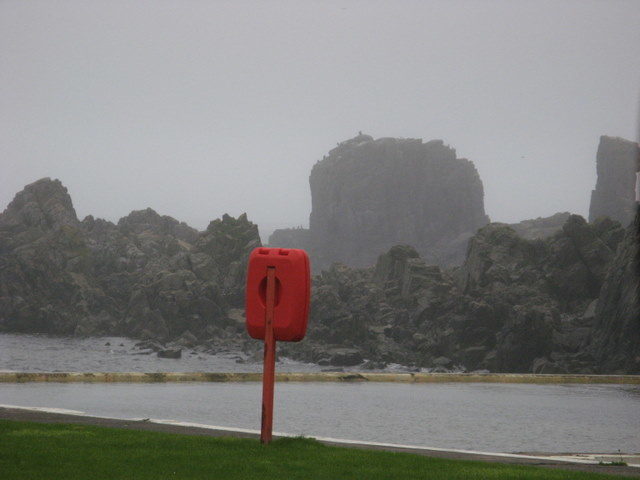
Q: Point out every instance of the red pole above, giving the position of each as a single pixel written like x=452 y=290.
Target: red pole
x=268 y=376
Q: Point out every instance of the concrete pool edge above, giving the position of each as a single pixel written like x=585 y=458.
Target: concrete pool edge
x=161 y=377
x=59 y=415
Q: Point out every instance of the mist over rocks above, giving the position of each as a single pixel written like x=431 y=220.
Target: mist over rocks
x=291 y=238
x=368 y=195
x=541 y=227
x=617 y=162
x=549 y=295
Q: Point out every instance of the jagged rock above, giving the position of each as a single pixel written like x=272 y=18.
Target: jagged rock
x=229 y=241
x=498 y=257
x=149 y=276
x=578 y=257
x=42 y=205
x=141 y=221
x=368 y=195
x=616 y=334
x=618 y=160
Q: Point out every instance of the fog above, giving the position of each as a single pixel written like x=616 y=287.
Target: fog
x=199 y=108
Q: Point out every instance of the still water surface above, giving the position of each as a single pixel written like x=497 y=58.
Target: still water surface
x=489 y=417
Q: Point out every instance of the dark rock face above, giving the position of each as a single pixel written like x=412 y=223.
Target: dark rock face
x=618 y=160
x=228 y=242
x=150 y=276
x=616 y=336
x=515 y=305
x=368 y=195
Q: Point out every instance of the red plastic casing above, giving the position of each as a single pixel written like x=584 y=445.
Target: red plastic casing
x=293 y=287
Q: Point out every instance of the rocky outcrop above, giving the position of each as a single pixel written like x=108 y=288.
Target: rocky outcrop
x=618 y=160
x=140 y=222
x=567 y=302
x=368 y=195
x=515 y=305
x=616 y=336
x=149 y=276
x=228 y=242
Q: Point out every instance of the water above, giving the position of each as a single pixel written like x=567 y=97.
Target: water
x=488 y=417
x=43 y=353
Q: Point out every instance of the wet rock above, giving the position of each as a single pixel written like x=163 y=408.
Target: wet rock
x=187 y=339
x=169 y=353
x=442 y=362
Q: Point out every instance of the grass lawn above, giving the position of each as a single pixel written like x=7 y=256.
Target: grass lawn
x=56 y=451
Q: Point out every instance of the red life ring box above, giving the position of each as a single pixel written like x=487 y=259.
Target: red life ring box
x=293 y=291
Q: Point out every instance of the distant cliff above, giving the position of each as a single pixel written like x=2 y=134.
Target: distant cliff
x=368 y=195
x=618 y=160
x=291 y=238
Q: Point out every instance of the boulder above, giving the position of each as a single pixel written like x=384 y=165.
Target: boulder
x=175 y=354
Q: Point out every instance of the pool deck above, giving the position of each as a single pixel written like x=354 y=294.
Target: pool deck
x=140 y=377
x=581 y=462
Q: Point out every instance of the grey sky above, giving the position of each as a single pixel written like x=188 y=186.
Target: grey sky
x=197 y=108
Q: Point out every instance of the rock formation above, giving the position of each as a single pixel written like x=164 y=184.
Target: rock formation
x=515 y=305
x=616 y=336
x=548 y=303
x=368 y=195
x=148 y=276
x=618 y=160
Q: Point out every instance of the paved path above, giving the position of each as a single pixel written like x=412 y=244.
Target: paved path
x=53 y=415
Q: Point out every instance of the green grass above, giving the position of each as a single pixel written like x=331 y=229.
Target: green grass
x=56 y=451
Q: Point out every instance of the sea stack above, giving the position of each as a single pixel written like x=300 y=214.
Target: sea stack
x=368 y=195
x=618 y=160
